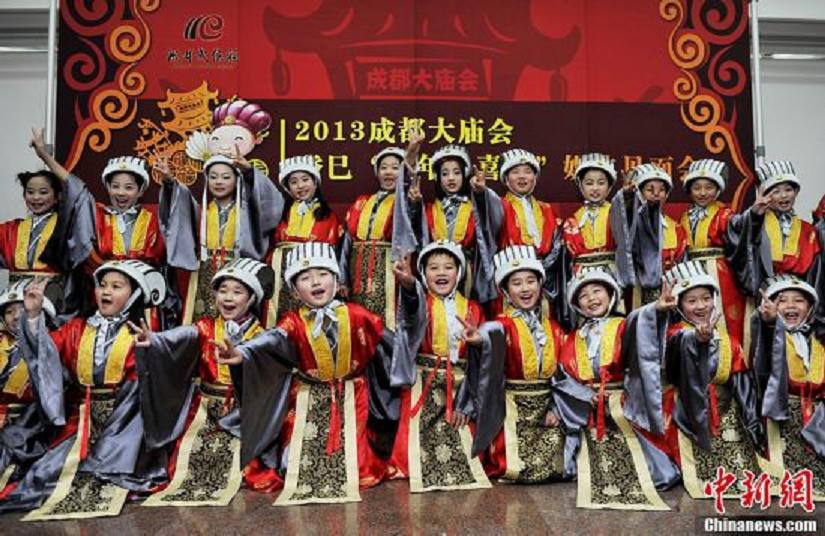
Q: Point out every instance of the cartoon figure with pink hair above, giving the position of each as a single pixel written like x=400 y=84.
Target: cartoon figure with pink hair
x=237 y=126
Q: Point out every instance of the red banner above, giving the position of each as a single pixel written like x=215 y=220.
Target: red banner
x=666 y=81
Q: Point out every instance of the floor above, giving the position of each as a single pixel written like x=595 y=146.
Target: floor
x=391 y=509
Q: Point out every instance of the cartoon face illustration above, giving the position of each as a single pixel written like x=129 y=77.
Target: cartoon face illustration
x=227 y=140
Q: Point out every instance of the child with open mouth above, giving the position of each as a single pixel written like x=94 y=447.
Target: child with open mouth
x=99 y=454
x=452 y=402
x=789 y=361
x=309 y=386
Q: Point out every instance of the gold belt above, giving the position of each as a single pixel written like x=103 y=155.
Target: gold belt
x=706 y=253
x=429 y=361
x=214 y=390
x=527 y=386
x=593 y=259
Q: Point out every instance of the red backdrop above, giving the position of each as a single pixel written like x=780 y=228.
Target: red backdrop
x=666 y=81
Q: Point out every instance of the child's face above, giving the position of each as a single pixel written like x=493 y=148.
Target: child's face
x=697 y=305
x=524 y=289
x=595 y=185
x=221 y=181
x=703 y=192
x=233 y=299
x=593 y=300
x=113 y=293
x=11 y=316
x=301 y=185
x=441 y=273
x=451 y=176
x=654 y=191
x=224 y=139
x=315 y=287
x=124 y=190
x=521 y=180
x=388 y=171
x=39 y=195
x=793 y=306
x=783 y=197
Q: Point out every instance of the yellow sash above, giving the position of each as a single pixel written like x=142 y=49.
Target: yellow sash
x=138 y=234
x=213 y=228
x=670 y=234
x=301 y=226
x=114 y=363
x=19 y=379
x=526 y=238
x=606 y=352
x=796 y=367
x=529 y=354
x=384 y=213
x=441 y=332
x=725 y=358
x=779 y=246
x=702 y=237
x=24 y=231
x=595 y=236
x=224 y=376
x=328 y=367
x=461 y=224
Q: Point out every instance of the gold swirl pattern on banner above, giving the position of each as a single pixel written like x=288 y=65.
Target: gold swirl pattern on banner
x=114 y=106
x=702 y=110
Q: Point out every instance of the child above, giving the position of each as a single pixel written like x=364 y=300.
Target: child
x=38 y=244
x=530 y=447
x=650 y=242
x=713 y=420
x=309 y=386
x=237 y=222
x=452 y=216
x=207 y=470
x=622 y=459
x=789 y=360
x=99 y=455
x=308 y=218
x=17 y=398
x=431 y=447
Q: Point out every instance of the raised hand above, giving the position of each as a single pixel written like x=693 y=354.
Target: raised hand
x=227 y=354
x=162 y=166
x=403 y=273
x=667 y=301
x=38 y=142
x=417 y=138
x=459 y=420
x=34 y=296
x=551 y=420
x=471 y=334
x=414 y=194
x=767 y=309
x=240 y=161
x=142 y=333
x=704 y=332
x=478 y=182
x=762 y=201
x=627 y=182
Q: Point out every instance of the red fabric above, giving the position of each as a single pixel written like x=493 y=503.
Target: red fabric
x=67 y=340
x=8 y=244
x=153 y=252
x=574 y=239
x=809 y=249
x=354 y=214
x=329 y=230
x=510 y=233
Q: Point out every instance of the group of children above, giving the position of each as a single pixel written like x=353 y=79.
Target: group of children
x=251 y=338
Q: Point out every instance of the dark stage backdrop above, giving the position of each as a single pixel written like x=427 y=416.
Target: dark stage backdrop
x=664 y=81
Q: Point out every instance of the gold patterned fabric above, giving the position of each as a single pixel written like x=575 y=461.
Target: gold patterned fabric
x=372 y=279
x=200 y=300
x=283 y=300
x=535 y=453
x=312 y=475
x=208 y=469
x=731 y=449
x=790 y=452
x=613 y=473
x=439 y=455
x=81 y=495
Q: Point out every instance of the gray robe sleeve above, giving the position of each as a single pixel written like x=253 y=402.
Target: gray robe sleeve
x=344 y=253
x=573 y=404
x=165 y=370
x=45 y=368
x=178 y=214
x=79 y=214
x=558 y=271
x=814 y=431
x=412 y=320
x=404 y=240
x=482 y=393
x=644 y=348
x=646 y=239
x=266 y=376
x=745 y=249
x=385 y=402
x=262 y=206
x=770 y=367
x=489 y=212
x=620 y=224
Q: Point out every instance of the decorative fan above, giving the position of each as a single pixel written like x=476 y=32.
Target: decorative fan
x=197 y=146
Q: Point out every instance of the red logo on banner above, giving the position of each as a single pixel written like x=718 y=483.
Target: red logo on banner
x=204 y=28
